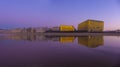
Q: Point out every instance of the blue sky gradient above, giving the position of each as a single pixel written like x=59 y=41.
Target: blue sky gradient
x=42 y=13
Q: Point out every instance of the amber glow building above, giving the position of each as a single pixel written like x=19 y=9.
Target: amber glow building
x=67 y=28
x=91 y=26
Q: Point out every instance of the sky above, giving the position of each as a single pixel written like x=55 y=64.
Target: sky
x=50 y=13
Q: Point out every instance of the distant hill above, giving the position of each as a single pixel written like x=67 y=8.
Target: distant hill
x=3 y=29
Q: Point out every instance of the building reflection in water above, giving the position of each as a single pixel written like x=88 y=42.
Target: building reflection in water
x=34 y=37
x=91 y=41
x=31 y=38
x=23 y=37
x=67 y=39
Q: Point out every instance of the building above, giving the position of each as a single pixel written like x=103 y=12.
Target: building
x=91 y=41
x=117 y=31
x=55 y=29
x=91 y=26
x=67 y=28
x=41 y=29
x=31 y=30
x=16 y=30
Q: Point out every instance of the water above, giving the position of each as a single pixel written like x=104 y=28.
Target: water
x=51 y=51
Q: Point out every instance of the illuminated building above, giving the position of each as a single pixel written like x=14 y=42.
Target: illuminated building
x=67 y=28
x=91 y=26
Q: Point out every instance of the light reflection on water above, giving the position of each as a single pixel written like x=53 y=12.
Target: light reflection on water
x=89 y=41
x=59 y=51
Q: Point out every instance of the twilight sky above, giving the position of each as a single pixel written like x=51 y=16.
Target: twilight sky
x=48 y=13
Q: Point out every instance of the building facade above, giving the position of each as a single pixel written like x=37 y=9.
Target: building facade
x=16 y=30
x=91 y=26
x=55 y=29
x=67 y=28
x=41 y=29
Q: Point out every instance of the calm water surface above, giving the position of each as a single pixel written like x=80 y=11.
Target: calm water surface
x=49 y=51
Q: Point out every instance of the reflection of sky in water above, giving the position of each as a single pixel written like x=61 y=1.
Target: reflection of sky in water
x=51 y=52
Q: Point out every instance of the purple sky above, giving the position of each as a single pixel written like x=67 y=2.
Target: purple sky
x=42 y=13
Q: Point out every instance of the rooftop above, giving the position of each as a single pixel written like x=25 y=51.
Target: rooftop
x=94 y=20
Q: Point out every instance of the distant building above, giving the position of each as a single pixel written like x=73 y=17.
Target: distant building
x=91 y=26
x=118 y=31
x=24 y=30
x=55 y=29
x=91 y=41
x=67 y=28
x=28 y=30
x=17 y=30
x=42 y=29
x=31 y=30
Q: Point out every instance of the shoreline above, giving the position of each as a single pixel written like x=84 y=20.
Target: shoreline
x=67 y=34
x=81 y=34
